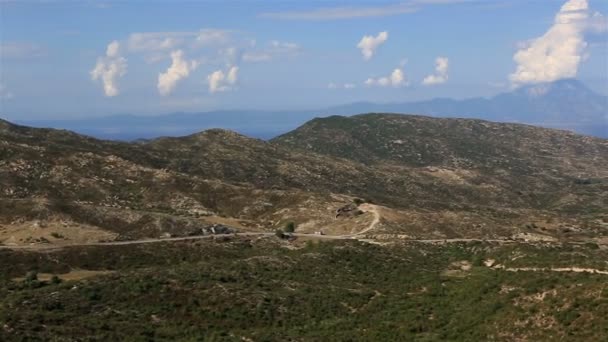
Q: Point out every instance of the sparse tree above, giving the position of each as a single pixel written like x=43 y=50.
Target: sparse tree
x=290 y=227
x=31 y=276
x=279 y=233
x=55 y=280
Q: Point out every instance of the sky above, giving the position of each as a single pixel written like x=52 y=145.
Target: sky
x=77 y=59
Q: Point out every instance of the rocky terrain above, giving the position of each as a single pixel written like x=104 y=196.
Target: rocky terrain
x=433 y=178
x=371 y=227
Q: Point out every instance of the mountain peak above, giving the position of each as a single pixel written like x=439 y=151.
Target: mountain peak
x=219 y=133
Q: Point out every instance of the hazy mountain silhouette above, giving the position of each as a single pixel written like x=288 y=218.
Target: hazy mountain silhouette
x=565 y=104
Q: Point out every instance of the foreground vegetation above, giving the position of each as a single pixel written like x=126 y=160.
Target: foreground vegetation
x=341 y=290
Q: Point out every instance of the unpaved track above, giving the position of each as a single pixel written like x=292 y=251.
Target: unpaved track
x=129 y=242
x=369 y=208
x=259 y=234
x=321 y=237
x=554 y=269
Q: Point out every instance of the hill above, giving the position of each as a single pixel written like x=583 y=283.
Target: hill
x=565 y=104
x=423 y=141
x=406 y=228
x=431 y=177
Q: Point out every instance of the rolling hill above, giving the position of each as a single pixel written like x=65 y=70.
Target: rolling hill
x=407 y=228
x=433 y=177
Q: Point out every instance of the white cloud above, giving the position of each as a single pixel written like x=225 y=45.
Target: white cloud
x=441 y=72
x=395 y=79
x=165 y=41
x=220 y=81
x=369 y=44
x=157 y=41
x=232 y=75
x=112 y=50
x=179 y=69
x=213 y=37
x=225 y=49
x=335 y=13
x=109 y=68
x=558 y=53
x=5 y=94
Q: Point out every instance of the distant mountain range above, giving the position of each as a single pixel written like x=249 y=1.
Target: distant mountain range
x=565 y=104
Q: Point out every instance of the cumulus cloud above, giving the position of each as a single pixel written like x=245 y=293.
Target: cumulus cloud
x=395 y=79
x=558 y=53
x=224 y=49
x=109 y=68
x=220 y=81
x=441 y=72
x=112 y=49
x=369 y=44
x=179 y=69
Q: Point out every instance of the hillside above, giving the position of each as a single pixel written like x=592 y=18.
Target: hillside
x=406 y=228
x=431 y=177
x=515 y=160
x=423 y=141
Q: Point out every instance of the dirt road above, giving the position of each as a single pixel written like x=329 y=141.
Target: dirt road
x=553 y=269
x=368 y=208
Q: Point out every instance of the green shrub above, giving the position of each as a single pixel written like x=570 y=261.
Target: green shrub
x=290 y=227
x=56 y=235
x=31 y=276
x=55 y=280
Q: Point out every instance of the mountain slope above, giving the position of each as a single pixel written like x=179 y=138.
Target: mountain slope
x=511 y=159
x=422 y=141
x=430 y=177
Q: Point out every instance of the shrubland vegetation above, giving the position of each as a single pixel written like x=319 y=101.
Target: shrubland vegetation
x=340 y=290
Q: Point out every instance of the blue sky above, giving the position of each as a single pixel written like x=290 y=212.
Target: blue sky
x=81 y=59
